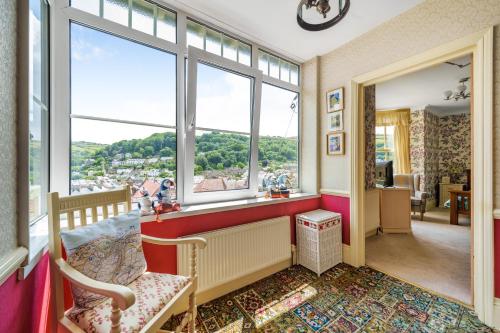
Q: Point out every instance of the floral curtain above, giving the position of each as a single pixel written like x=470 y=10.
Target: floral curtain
x=400 y=119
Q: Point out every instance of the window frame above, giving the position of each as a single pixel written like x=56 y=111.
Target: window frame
x=28 y=235
x=195 y=57
x=386 y=150
x=62 y=14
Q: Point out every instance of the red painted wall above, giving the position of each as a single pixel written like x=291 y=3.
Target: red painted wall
x=497 y=257
x=340 y=205
x=24 y=304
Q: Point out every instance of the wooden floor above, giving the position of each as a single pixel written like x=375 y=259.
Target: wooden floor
x=435 y=256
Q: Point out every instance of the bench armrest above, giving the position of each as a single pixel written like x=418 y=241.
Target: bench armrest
x=201 y=243
x=123 y=296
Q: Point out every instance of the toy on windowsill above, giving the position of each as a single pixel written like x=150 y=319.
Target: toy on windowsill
x=165 y=203
x=276 y=187
x=284 y=191
x=146 y=204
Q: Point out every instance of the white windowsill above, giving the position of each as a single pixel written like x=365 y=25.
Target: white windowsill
x=227 y=206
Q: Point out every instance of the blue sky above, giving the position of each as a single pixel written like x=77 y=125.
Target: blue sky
x=115 y=78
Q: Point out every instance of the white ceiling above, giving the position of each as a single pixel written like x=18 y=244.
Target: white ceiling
x=273 y=24
x=425 y=88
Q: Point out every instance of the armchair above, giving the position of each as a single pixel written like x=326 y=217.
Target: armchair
x=418 y=198
x=144 y=304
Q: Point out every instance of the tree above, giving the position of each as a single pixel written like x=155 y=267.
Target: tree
x=201 y=161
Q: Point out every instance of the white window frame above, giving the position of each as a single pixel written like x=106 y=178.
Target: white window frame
x=28 y=235
x=62 y=14
x=195 y=57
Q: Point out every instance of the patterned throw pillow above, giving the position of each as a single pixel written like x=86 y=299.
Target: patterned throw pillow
x=108 y=251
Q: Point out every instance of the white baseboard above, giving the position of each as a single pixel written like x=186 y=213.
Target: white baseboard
x=496 y=313
x=346 y=254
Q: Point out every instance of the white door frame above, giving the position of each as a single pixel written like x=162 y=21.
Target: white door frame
x=480 y=45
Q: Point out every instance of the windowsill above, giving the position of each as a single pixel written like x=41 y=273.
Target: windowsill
x=39 y=245
x=215 y=207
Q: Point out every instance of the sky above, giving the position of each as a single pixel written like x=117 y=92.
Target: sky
x=116 y=78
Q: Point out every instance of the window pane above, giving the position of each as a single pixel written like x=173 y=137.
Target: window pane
x=143 y=16
x=230 y=49
x=284 y=71
x=38 y=111
x=115 y=78
x=224 y=100
x=106 y=155
x=166 y=25
x=195 y=35
x=90 y=6
x=213 y=42
x=274 y=67
x=294 y=74
x=263 y=63
x=116 y=11
x=245 y=54
x=38 y=161
x=278 y=143
x=222 y=159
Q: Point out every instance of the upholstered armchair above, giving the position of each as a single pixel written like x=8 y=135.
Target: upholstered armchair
x=418 y=198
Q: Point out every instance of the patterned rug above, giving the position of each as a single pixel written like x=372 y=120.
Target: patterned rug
x=343 y=299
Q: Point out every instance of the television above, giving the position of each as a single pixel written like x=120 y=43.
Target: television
x=384 y=174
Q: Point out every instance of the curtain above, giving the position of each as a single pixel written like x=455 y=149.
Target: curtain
x=400 y=119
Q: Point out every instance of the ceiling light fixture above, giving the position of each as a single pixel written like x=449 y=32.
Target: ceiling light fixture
x=323 y=8
x=460 y=91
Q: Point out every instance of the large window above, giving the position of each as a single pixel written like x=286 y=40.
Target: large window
x=38 y=110
x=147 y=93
x=279 y=137
x=384 y=143
x=123 y=112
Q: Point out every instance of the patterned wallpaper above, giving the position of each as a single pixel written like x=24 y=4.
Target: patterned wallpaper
x=370 y=115
x=8 y=192
x=455 y=147
x=417 y=148
x=426 y=26
x=424 y=149
x=439 y=147
x=431 y=152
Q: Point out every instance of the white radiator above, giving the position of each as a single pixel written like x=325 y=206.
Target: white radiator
x=235 y=252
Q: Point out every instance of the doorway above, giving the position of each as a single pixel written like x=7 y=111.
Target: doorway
x=421 y=144
x=480 y=45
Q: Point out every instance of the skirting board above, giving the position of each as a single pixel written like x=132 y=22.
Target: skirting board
x=496 y=314
x=371 y=233
x=346 y=254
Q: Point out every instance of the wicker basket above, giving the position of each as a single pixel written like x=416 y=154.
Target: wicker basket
x=319 y=240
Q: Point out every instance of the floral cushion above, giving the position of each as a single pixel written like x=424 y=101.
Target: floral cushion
x=108 y=251
x=152 y=291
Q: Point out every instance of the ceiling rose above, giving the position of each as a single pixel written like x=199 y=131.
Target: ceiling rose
x=325 y=16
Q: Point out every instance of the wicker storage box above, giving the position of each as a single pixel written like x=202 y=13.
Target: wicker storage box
x=319 y=240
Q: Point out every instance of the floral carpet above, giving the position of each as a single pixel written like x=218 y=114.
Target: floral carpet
x=343 y=299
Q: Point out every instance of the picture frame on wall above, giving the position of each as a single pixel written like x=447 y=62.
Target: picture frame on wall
x=335 y=143
x=335 y=100
x=335 y=121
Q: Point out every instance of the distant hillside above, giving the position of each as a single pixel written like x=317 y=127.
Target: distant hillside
x=214 y=151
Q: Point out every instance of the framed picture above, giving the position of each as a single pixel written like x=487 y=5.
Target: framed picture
x=335 y=121
x=335 y=100
x=335 y=143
